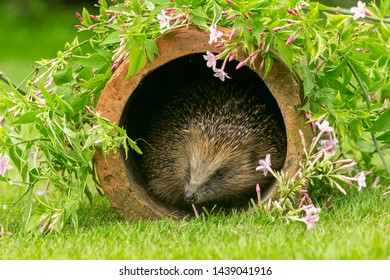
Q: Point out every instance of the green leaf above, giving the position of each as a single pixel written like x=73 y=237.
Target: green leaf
x=335 y=72
x=308 y=81
x=268 y=65
x=200 y=12
x=318 y=47
x=134 y=146
x=385 y=137
x=382 y=123
x=96 y=82
x=85 y=74
x=137 y=60
x=86 y=16
x=284 y=52
x=94 y=61
x=28 y=117
x=63 y=76
x=66 y=108
x=47 y=96
x=112 y=38
x=336 y=20
x=151 y=49
x=136 y=7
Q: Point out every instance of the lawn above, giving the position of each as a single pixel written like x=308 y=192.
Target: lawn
x=357 y=227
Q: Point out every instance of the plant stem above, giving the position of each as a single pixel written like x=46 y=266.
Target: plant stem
x=7 y=81
x=339 y=10
x=44 y=65
x=365 y=96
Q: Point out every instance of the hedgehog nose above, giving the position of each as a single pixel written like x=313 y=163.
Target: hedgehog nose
x=190 y=196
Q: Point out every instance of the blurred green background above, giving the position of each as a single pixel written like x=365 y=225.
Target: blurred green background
x=34 y=29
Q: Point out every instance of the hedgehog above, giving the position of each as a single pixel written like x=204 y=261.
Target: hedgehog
x=204 y=143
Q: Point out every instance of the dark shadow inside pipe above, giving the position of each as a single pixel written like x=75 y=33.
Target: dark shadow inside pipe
x=155 y=89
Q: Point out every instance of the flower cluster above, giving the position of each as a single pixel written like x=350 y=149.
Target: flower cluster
x=322 y=163
x=233 y=41
x=169 y=18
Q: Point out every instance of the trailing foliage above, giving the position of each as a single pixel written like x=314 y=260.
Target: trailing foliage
x=50 y=131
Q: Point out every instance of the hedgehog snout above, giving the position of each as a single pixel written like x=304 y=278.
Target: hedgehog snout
x=190 y=197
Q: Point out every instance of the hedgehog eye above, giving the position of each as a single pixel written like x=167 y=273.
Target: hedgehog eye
x=219 y=173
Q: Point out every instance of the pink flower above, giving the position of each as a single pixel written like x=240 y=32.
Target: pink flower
x=117 y=62
x=43 y=228
x=111 y=20
x=305 y=4
x=310 y=209
x=359 y=11
x=242 y=63
x=219 y=45
x=4 y=166
x=265 y=165
x=258 y=191
x=3 y=233
x=232 y=56
x=329 y=145
x=346 y=163
x=220 y=73
x=211 y=59
x=92 y=26
x=302 y=137
x=170 y=10
x=1 y=120
x=232 y=35
x=324 y=126
x=293 y=12
x=361 y=180
x=312 y=216
x=80 y=18
x=214 y=34
x=291 y=39
x=164 y=20
x=89 y=110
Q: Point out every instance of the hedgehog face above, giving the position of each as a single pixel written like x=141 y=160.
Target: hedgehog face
x=218 y=171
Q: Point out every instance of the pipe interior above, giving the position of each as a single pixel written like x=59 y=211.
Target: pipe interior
x=155 y=88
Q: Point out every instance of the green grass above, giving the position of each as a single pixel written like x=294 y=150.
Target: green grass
x=356 y=228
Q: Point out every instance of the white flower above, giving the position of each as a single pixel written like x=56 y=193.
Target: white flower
x=310 y=210
x=214 y=34
x=324 y=126
x=4 y=166
x=265 y=165
x=361 y=180
x=309 y=220
x=220 y=73
x=329 y=145
x=211 y=59
x=312 y=216
x=164 y=20
x=305 y=4
x=358 y=12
